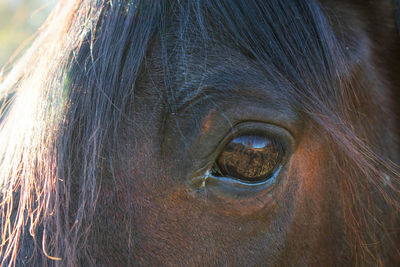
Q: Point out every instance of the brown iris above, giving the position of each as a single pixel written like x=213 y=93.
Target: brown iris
x=250 y=158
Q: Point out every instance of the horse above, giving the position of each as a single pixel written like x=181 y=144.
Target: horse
x=204 y=132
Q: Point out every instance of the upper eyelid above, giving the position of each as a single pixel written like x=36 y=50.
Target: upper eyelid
x=270 y=130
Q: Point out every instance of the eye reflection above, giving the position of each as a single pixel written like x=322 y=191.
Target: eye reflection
x=249 y=158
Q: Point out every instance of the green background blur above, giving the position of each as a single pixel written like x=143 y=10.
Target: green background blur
x=19 y=20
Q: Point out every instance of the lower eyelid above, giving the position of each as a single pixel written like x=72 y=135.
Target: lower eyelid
x=240 y=184
x=236 y=197
x=228 y=184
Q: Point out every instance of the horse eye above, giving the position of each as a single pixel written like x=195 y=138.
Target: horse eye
x=249 y=158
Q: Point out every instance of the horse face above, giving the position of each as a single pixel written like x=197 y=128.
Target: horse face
x=177 y=212
x=167 y=203
x=255 y=133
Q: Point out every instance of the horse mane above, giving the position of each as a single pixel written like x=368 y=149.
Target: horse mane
x=64 y=102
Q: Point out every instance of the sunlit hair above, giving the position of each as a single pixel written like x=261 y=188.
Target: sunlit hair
x=65 y=99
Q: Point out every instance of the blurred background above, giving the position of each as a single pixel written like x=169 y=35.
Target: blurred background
x=19 y=20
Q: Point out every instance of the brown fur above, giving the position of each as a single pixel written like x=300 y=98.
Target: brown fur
x=119 y=104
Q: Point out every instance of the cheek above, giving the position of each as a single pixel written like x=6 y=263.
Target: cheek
x=317 y=221
x=169 y=226
x=308 y=167
x=151 y=216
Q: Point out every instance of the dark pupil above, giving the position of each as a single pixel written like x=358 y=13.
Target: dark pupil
x=249 y=158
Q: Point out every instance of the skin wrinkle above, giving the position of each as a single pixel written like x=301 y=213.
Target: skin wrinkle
x=207 y=123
